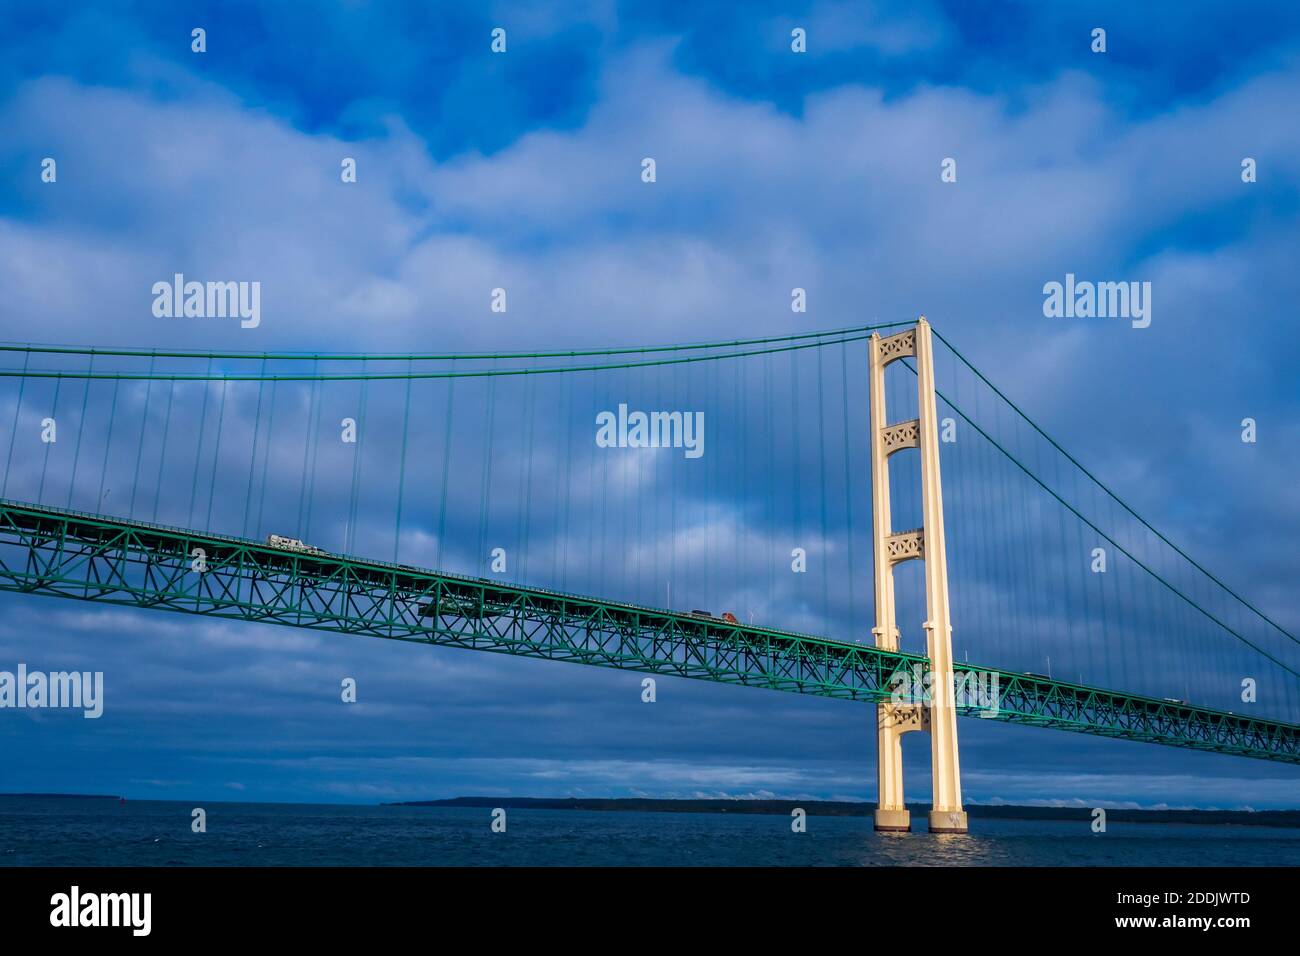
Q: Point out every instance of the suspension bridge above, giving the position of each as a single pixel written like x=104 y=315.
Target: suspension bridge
x=460 y=499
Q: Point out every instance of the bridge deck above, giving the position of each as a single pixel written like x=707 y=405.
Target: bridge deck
x=117 y=561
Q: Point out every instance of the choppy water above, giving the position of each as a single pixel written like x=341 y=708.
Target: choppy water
x=96 y=832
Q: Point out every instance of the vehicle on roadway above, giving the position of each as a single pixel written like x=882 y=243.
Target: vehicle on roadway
x=280 y=542
x=726 y=618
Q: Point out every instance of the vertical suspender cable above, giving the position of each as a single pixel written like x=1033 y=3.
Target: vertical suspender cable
x=446 y=474
x=314 y=445
x=198 y=448
x=139 y=448
x=54 y=417
x=848 y=488
x=401 y=468
x=821 y=457
x=13 y=435
x=266 y=456
x=530 y=401
x=485 y=487
x=81 y=430
x=108 y=444
x=252 y=457
x=567 y=487
x=162 y=454
x=351 y=537
x=216 y=455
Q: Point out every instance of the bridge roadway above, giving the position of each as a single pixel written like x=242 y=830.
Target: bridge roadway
x=108 y=560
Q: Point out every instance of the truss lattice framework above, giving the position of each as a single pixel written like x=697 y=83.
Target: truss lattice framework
x=113 y=561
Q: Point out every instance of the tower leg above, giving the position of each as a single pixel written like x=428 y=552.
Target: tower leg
x=946 y=814
x=891 y=811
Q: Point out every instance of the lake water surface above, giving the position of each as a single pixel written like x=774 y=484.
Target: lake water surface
x=58 y=831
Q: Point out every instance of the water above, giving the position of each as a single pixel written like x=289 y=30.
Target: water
x=98 y=832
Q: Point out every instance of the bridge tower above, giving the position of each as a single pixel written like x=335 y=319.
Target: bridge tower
x=891 y=548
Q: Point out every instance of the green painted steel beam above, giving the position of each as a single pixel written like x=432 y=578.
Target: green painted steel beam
x=88 y=557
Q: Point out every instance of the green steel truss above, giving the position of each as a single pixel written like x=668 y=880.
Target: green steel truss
x=96 y=558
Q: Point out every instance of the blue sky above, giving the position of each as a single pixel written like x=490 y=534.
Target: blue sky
x=775 y=170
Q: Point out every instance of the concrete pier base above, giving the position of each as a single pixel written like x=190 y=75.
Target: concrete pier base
x=947 y=821
x=894 y=821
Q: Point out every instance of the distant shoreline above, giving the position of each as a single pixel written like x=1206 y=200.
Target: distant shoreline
x=65 y=796
x=824 y=808
x=833 y=808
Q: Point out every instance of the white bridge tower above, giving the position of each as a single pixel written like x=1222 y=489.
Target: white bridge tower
x=925 y=544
